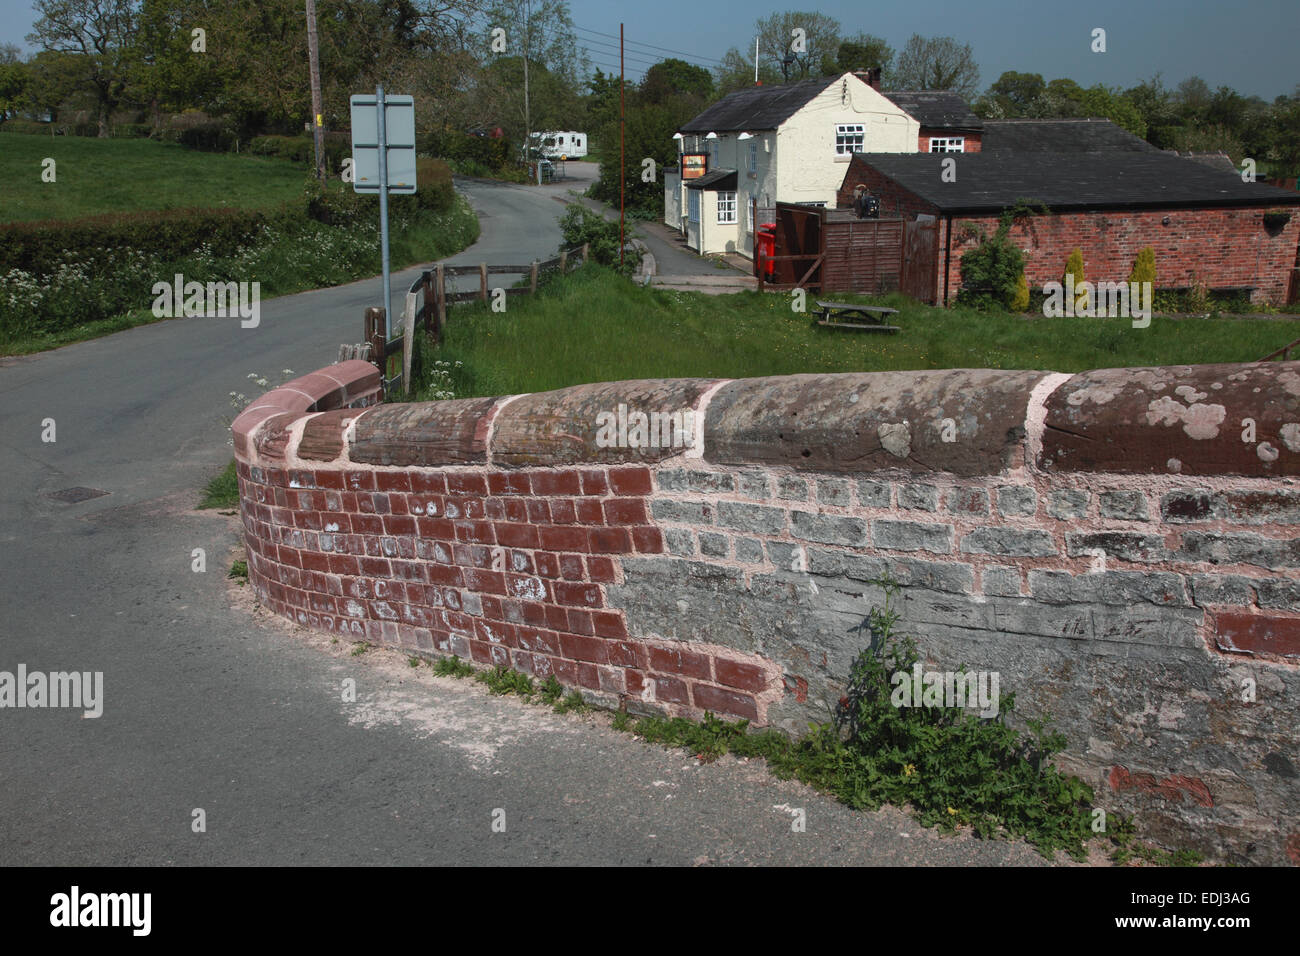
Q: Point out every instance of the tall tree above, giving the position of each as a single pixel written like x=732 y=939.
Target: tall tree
x=863 y=51
x=14 y=78
x=937 y=63
x=100 y=34
x=795 y=43
x=736 y=72
x=671 y=77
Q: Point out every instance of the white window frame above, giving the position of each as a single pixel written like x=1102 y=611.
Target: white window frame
x=693 y=205
x=947 y=144
x=725 y=204
x=850 y=138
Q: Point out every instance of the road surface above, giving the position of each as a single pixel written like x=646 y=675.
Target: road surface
x=209 y=706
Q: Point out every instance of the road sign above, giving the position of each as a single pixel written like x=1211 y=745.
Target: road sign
x=399 y=130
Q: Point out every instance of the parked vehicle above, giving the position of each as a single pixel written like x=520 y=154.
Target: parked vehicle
x=562 y=145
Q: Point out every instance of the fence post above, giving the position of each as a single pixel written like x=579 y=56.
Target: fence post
x=441 y=292
x=532 y=278
x=564 y=260
x=482 y=281
x=584 y=252
x=378 y=342
x=426 y=306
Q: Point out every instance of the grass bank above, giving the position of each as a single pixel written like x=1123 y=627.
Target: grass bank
x=592 y=326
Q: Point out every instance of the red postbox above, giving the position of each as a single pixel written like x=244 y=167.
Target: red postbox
x=764 y=249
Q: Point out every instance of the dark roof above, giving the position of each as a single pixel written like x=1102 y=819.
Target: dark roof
x=936 y=108
x=717 y=179
x=992 y=181
x=757 y=107
x=1215 y=160
x=1061 y=135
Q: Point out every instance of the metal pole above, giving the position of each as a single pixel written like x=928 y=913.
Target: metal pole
x=622 y=153
x=383 y=212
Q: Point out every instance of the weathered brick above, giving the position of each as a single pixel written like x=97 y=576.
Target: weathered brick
x=610 y=541
x=630 y=481
x=1002 y=581
x=874 y=494
x=1258 y=633
x=918 y=497
x=686 y=512
x=967 y=501
x=792 y=488
x=1124 y=545
x=833 y=491
x=828 y=529
x=749 y=550
x=741 y=675
x=680 y=541
x=1009 y=541
x=1123 y=505
x=1017 y=500
x=680 y=661
x=758 y=519
x=1066 y=504
x=556 y=483
x=911 y=536
x=713 y=545
x=720 y=700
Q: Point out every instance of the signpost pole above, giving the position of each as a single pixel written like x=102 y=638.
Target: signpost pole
x=383 y=211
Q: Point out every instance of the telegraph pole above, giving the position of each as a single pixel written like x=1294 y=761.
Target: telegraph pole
x=313 y=59
x=528 y=120
x=622 y=152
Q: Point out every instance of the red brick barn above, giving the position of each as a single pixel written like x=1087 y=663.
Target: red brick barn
x=1203 y=223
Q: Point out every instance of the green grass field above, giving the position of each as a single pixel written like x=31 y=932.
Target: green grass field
x=121 y=175
x=592 y=326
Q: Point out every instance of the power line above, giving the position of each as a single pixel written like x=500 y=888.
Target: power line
x=629 y=56
x=664 y=49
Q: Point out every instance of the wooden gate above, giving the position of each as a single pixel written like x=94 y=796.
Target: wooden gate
x=920 y=260
x=798 y=248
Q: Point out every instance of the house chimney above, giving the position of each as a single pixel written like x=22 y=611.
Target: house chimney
x=871 y=77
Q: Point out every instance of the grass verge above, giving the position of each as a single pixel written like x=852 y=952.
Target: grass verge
x=223 y=490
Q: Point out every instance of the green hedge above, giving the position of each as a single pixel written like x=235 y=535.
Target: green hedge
x=301 y=149
x=36 y=246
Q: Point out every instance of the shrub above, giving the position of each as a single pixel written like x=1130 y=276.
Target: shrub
x=1074 y=267
x=1144 y=267
x=990 y=272
x=1020 y=298
x=579 y=226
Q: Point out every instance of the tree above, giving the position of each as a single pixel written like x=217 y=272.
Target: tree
x=14 y=78
x=1014 y=92
x=797 y=56
x=863 y=51
x=671 y=77
x=100 y=32
x=737 y=72
x=937 y=63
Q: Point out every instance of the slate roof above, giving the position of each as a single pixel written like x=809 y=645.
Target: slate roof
x=757 y=107
x=942 y=109
x=724 y=179
x=1061 y=135
x=990 y=181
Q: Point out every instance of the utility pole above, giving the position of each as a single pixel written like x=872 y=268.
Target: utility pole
x=528 y=120
x=622 y=152
x=313 y=59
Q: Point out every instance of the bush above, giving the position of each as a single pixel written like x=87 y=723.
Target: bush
x=37 y=247
x=1074 y=267
x=487 y=152
x=580 y=226
x=1020 y=298
x=991 y=273
x=1144 y=267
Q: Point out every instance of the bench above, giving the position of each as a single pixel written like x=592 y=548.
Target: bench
x=867 y=317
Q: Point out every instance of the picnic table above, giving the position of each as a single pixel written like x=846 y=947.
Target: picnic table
x=868 y=317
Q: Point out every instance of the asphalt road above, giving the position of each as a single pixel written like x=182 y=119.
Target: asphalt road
x=209 y=704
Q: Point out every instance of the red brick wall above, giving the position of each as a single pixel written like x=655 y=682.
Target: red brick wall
x=1226 y=248
x=971 y=145
x=894 y=199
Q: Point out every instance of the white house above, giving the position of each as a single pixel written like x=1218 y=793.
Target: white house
x=770 y=144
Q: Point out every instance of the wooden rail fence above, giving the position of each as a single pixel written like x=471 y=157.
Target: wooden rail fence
x=427 y=300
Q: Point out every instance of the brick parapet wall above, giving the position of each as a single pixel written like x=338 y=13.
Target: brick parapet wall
x=1106 y=541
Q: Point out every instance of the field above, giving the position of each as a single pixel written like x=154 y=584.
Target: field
x=592 y=326
x=120 y=175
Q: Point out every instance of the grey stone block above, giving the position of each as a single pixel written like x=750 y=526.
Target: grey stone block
x=911 y=536
x=792 y=488
x=713 y=545
x=873 y=494
x=1001 y=581
x=680 y=541
x=833 y=491
x=686 y=512
x=759 y=519
x=918 y=497
x=1066 y=504
x=710 y=482
x=753 y=484
x=749 y=550
x=1124 y=545
x=829 y=529
x=1031 y=543
x=1017 y=500
x=1125 y=505
x=1222 y=589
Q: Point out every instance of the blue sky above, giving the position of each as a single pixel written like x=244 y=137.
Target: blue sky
x=1248 y=45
